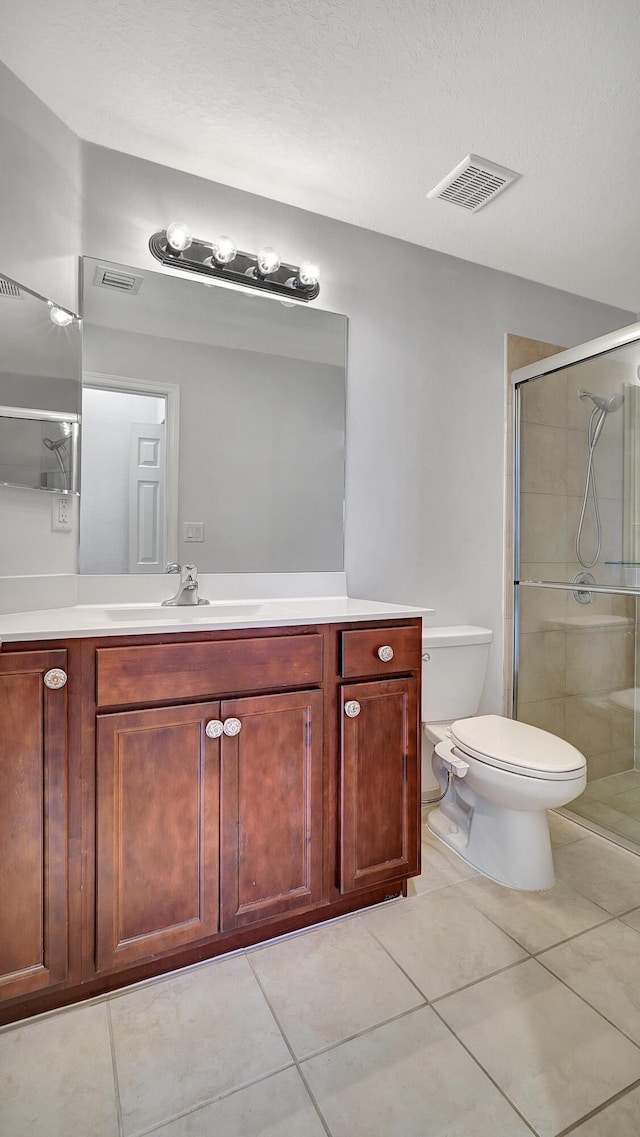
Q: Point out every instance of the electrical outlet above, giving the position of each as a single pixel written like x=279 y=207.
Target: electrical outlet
x=61 y=513
x=194 y=530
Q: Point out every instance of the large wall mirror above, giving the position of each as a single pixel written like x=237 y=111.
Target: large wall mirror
x=39 y=392
x=213 y=427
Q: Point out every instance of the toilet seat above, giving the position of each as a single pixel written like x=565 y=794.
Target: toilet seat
x=517 y=747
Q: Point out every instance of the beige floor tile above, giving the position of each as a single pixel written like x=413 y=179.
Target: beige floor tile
x=278 y=1106
x=535 y=919
x=409 y=1078
x=601 y=812
x=622 y=1119
x=628 y=827
x=602 y=872
x=330 y=984
x=438 y=871
x=632 y=919
x=441 y=941
x=187 y=1039
x=599 y=789
x=627 y=802
x=602 y=966
x=56 y=1077
x=554 y=1057
x=563 y=831
x=627 y=781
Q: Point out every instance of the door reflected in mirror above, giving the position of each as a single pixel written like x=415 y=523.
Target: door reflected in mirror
x=213 y=427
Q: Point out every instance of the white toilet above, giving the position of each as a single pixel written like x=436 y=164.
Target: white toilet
x=503 y=774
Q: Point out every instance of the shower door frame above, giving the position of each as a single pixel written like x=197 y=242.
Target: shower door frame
x=603 y=345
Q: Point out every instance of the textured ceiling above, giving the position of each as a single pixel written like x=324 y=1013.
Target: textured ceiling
x=356 y=108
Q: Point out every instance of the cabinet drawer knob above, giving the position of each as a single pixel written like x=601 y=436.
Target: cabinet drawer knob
x=352 y=708
x=385 y=653
x=231 y=727
x=214 y=728
x=55 y=678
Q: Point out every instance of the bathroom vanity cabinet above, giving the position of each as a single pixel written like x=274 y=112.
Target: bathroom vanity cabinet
x=219 y=788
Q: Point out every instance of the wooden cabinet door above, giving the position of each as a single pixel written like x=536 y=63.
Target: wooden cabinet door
x=33 y=824
x=157 y=832
x=379 y=800
x=271 y=801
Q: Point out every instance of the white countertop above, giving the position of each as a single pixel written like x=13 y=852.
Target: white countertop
x=151 y=619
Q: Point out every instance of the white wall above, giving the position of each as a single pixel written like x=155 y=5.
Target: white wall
x=41 y=192
x=40 y=197
x=425 y=468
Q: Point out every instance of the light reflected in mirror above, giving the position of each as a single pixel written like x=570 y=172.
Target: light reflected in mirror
x=213 y=427
x=39 y=391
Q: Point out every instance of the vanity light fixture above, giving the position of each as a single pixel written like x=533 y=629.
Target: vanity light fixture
x=176 y=247
x=59 y=316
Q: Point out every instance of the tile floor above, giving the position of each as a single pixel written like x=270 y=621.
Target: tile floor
x=613 y=803
x=466 y=1010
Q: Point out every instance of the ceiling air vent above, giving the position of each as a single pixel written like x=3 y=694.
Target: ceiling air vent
x=118 y=281
x=473 y=183
x=8 y=288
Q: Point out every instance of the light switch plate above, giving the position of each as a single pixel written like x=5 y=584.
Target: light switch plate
x=194 y=530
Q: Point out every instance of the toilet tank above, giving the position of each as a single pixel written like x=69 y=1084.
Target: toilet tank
x=454 y=666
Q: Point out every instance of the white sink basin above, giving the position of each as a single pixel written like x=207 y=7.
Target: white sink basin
x=187 y=614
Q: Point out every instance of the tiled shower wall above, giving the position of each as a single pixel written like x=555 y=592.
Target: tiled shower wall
x=573 y=658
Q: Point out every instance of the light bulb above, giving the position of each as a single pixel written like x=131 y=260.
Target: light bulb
x=223 y=250
x=268 y=261
x=308 y=274
x=59 y=316
x=179 y=236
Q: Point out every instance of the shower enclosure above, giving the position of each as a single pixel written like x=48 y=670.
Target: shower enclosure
x=577 y=567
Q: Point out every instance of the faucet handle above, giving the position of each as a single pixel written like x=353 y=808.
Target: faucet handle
x=190 y=573
x=173 y=568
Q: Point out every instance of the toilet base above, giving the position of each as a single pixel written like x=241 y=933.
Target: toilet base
x=511 y=847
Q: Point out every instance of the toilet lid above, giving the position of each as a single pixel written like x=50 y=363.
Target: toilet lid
x=516 y=746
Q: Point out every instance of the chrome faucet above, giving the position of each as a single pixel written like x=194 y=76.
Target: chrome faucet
x=187 y=594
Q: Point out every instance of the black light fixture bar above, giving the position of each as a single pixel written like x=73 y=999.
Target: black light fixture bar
x=242 y=268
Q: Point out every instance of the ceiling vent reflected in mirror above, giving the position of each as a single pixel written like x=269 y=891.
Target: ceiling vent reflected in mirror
x=474 y=183
x=105 y=277
x=9 y=289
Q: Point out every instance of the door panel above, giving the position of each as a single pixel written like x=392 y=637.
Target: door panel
x=158 y=788
x=272 y=791
x=380 y=822
x=33 y=824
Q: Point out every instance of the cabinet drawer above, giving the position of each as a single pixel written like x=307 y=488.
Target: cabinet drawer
x=159 y=672
x=360 y=651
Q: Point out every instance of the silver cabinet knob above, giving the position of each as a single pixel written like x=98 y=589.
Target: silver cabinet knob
x=214 y=728
x=352 y=708
x=385 y=653
x=55 y=678
x=231 y=727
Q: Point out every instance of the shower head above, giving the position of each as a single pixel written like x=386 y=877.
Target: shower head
x=606 y=405
x=57 y=445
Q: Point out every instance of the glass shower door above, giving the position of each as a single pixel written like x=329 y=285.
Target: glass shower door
x=578 y=573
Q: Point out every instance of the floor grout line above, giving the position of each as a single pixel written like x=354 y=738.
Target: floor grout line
x=222 y=1096
x=584 y=1000
x=291 y=1051
x=485 y=1072
x=114 y=1064
x=600 y=1109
